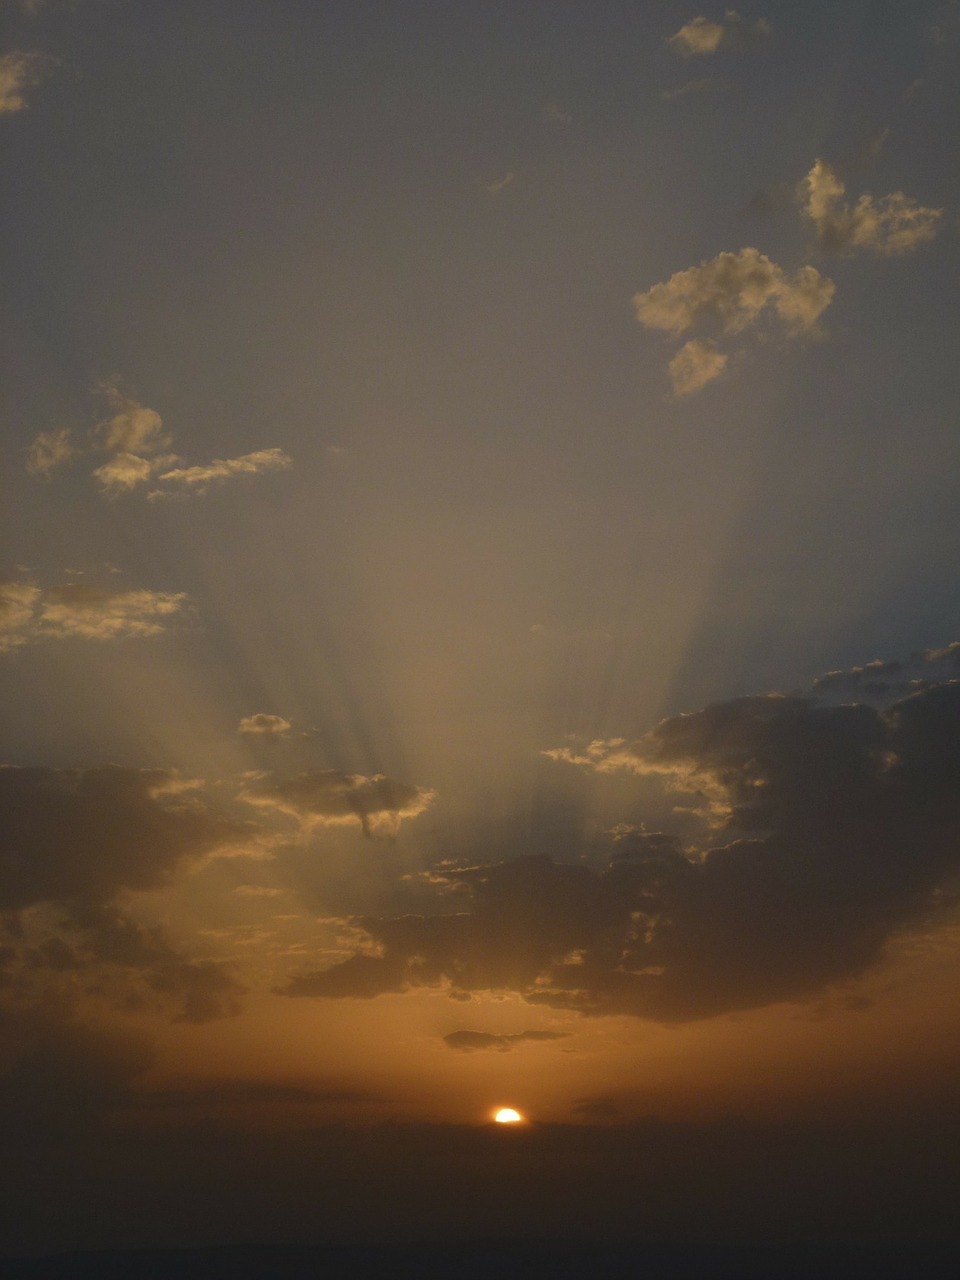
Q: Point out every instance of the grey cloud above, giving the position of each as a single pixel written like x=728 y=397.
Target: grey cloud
x=709 y=84
x=327 y=797
x=50 y=450
x=702 y=36
x=827 y=828
x=82 y=835
x=470 y=1041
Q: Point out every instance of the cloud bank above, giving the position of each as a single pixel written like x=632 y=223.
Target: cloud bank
x=824 y=830
x=76 y=611
x=327 y=797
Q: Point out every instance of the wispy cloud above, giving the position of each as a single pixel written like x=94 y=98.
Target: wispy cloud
x=702 y=36
x=199 y=479
x=889 y=225
x=709 y=84
x=21 y=70
x=137 y=448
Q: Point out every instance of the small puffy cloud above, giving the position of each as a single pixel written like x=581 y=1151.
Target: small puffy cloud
x=21 y=70
x=199 y=479
x=471 y=1041
x=50 y=450
x=695 y=364
x=735 y=289
x=264 y=726
x=327 y=797
x=702 y=36
x=889 y=225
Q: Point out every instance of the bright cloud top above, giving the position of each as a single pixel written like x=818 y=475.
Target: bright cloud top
x=702 y=36
x=265 y=726
x=889 y=225
x=75 y=610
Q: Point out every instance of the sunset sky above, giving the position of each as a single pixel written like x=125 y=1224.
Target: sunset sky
x=478 y=618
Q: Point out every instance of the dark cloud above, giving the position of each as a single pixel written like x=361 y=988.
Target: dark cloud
x=469 y=1041
x=83 y=835
x=71 y=841
x=327 y=797
x=826 y=829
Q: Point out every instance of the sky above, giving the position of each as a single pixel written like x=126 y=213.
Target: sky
x=478 y=620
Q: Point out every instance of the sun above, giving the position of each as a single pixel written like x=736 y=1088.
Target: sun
x=507 y=1115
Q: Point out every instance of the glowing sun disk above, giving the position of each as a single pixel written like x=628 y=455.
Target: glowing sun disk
x=507 y=1115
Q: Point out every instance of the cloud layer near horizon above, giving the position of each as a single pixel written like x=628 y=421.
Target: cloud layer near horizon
x=825 y=829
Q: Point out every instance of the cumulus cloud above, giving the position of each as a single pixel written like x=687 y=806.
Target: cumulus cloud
x=695 y=364
x=471 y=1041
x=264 y=726
x=21 y=70
x=732 y=292
x=328 y=797
x=137 y=448
x=50 y=450
x=735 y=289
x=702 y=36
x=889 y=225
x=827 y=829
x=78 y=611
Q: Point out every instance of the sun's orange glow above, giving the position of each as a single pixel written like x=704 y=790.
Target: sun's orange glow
x=507 y=1115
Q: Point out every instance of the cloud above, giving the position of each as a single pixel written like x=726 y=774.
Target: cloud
x=72 y=841
x=735 y=289
x=21 y=70
x=890 y=225
x=695 y=364
x=17 y=607
x=199 y=479
x=328 y=797
x=701 y=36
x=825 y=829
x=501 y=184
x=137 y=446
x=710 y=84
x=50 y=450
x=264 y=726
x=470 y=1041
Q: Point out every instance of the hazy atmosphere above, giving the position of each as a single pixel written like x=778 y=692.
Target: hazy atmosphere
x=479 y=620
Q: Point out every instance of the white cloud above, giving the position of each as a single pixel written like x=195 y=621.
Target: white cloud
x=889 y=225
x=21 y=70
x=702 y=36
x=695 y=364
